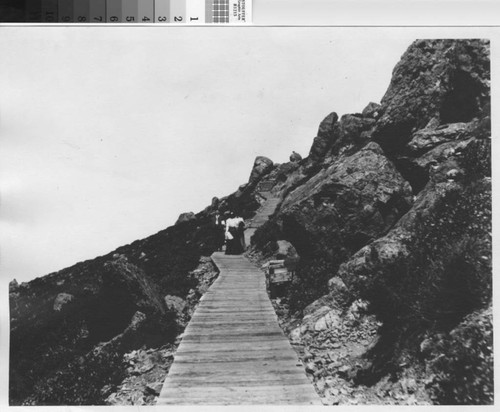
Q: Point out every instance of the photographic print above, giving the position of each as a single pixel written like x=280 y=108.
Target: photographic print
x=247 y=215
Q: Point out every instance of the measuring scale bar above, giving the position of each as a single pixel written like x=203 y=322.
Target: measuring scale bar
x=129 y=11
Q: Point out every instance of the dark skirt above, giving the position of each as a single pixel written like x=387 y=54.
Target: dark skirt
x=235 y=246
x=220 y=236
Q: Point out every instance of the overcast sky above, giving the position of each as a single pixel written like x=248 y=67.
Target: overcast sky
x=106 y=136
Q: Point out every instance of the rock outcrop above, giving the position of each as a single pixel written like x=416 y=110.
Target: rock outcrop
x=185 y=217
x=392 y=210
x=346 y=205
x=324 y=140
x=261 y=166
x=295 y=157
x=441 y=81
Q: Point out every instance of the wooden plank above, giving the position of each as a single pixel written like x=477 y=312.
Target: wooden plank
x=259 y=367
x=182 y=373
x=214 y=391
x=221 y=346
x=241 y=381
x=242 y=394
x=234 y=356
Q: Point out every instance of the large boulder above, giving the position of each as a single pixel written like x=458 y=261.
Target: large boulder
x=346 y=205
x=433 y=151
x=352 y=133
x=262 y=165
x=425 y=139
x=445 y=80
x=372 y=110
x=324 y=140
x=286 y=250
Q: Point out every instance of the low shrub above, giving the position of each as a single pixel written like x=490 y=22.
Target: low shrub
x=268 y=232
x=464 y=376
x=310 y=282
x=81 y=382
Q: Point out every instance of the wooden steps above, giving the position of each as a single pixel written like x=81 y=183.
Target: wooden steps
x=233 y=351
x=262 y=216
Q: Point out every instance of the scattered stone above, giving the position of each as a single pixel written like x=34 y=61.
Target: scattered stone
x=334 y=391
x=154 y=388
x=175 y=303
x=335 y=400
x=452 y=174
x=295 y=335
x=61 y=300
x=310 y=367
x=328 y=321
x=320 y=385
x=409 y=385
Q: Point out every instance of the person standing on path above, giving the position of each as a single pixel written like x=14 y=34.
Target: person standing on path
x=235 y=227
x=241 y=234
x=219 y=230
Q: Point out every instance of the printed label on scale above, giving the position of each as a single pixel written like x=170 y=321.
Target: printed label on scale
x=238 y=11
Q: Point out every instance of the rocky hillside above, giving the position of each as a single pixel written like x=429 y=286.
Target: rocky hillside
x=78 y=335
x=390 y=214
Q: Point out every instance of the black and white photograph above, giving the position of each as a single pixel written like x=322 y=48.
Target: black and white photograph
x=246 y=216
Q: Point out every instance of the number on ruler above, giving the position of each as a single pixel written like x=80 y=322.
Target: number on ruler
x=130 y=18
x=177 y=18
x=82 y=19
x=162 y=18
x=193 y=18
x=49 y=16
x=98 y=18
x=145 y=18
x=113 y=18
x=66 y=19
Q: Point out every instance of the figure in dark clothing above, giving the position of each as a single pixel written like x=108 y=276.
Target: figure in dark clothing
x=219 y=224
x=241 y=235
x=235 y=237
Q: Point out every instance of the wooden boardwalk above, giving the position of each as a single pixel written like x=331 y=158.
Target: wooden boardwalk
x=233 y=351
